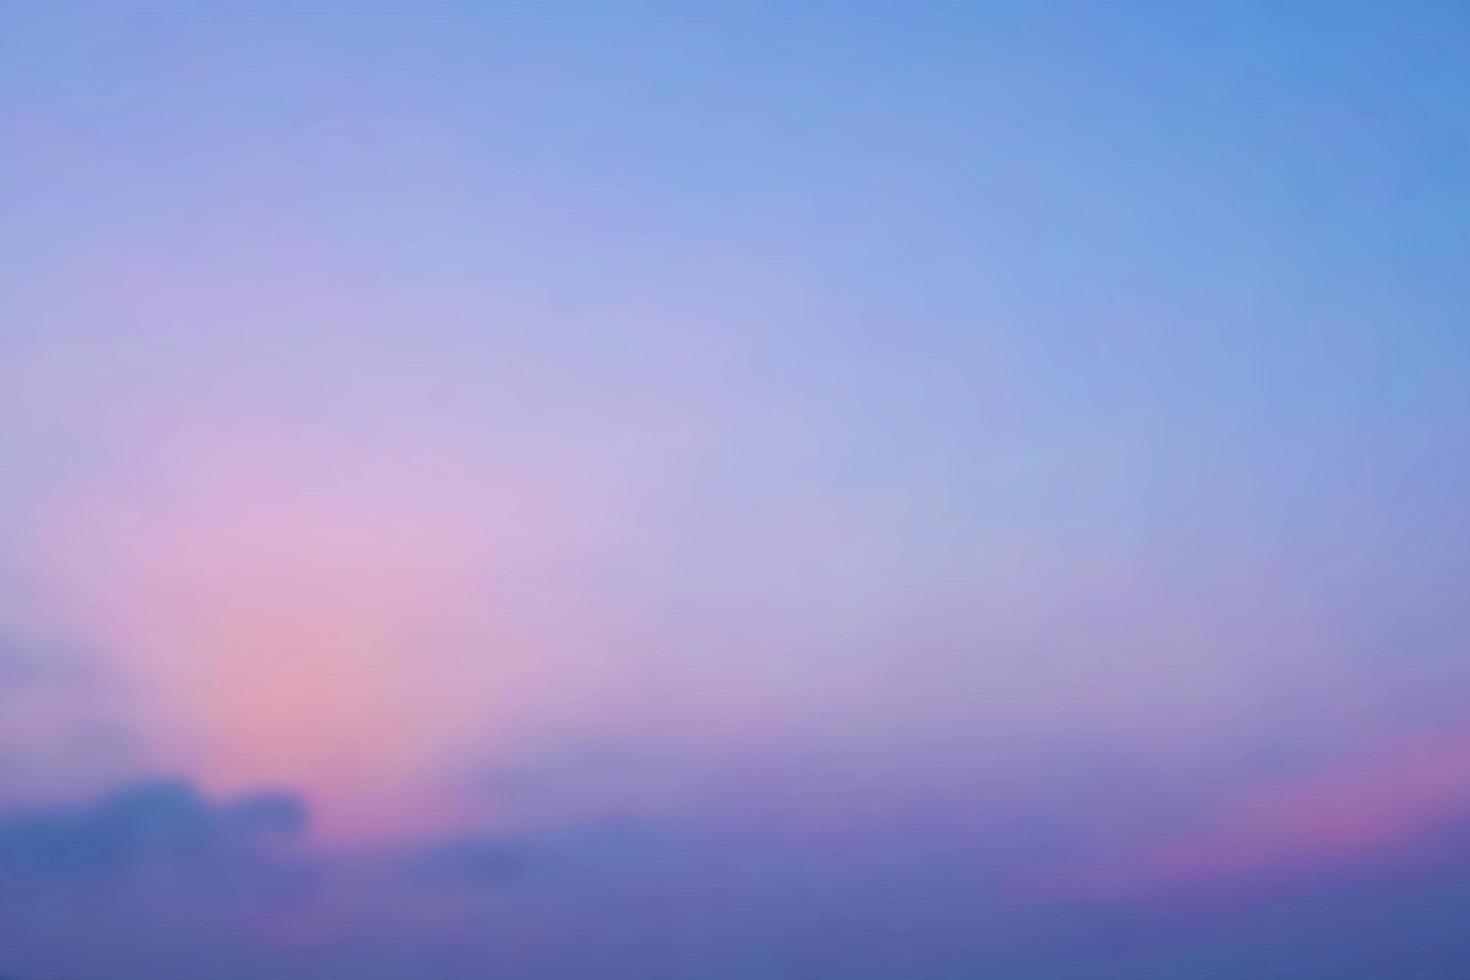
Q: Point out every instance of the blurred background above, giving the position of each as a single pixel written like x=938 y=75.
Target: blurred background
x=734 y=490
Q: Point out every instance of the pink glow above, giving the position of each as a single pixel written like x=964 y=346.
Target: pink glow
x=331 y=627
x=1383 y=800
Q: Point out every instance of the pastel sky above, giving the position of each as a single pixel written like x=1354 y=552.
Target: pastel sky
x=754 y=490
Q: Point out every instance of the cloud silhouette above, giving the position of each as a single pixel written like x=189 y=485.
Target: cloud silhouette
x=145 y=827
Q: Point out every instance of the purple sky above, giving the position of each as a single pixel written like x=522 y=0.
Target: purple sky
x=653 y=490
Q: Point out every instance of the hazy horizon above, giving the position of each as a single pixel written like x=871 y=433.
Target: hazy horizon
x=650 y=490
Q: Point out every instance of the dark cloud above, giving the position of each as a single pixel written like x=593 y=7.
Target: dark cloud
x=167 y=877
x=151 y=880
x=144 y=828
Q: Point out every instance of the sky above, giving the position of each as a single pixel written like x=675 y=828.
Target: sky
x=735 y=491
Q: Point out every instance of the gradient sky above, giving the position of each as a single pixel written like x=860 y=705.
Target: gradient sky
x=722 y=491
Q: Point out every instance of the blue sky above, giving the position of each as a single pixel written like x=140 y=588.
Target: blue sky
x=741 y=490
